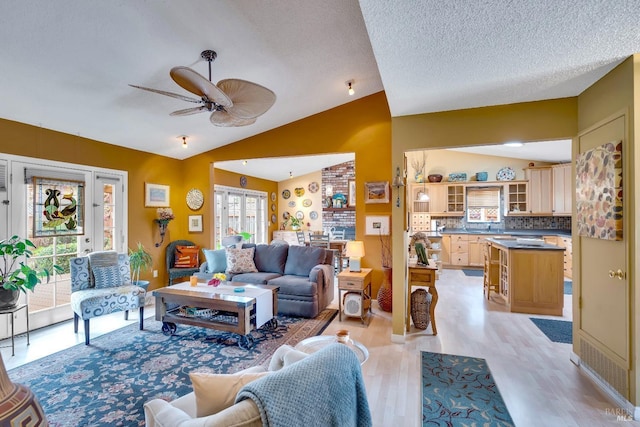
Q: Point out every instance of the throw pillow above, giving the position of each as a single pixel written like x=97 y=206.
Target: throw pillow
x=186 y=257
x=240 y=261
x=107 y=277
x=216 y=260
x=216 y=392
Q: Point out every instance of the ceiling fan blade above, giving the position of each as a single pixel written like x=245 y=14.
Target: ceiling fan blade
x=198 y=84
x=250 y=100
x=171 y=94
x=224 y=119
x=188 y=111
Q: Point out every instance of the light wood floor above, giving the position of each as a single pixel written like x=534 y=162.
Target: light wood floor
x=538 y=382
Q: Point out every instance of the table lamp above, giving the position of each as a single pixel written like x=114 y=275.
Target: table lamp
x=355 y=251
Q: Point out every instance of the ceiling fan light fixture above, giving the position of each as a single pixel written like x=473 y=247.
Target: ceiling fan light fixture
x=350 y=86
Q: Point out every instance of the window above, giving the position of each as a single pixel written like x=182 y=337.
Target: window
x=238 y=211
x=483 y=204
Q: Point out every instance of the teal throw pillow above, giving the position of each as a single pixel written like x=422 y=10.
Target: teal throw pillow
x=216 y=260
x=107 y=277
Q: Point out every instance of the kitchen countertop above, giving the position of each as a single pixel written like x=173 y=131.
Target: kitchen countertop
x=513 y=243
x=508 y=231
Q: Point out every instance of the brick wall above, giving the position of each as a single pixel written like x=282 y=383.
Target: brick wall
x=338 y=177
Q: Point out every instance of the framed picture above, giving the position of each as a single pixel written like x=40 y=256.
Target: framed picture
x=58 y=207
x=156 y=195
x=376 y=192
x=195 y=223
x=377 y=225
x=352 y=193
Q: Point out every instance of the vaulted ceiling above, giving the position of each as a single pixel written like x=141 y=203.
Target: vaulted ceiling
x=67 y=65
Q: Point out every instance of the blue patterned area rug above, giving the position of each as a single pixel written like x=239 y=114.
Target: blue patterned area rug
x=556 y=330
x=472 y=273
x=108 y=382
x=460 y=391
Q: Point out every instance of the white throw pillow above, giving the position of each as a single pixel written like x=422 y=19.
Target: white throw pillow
x=216 y=392
x=240 y=261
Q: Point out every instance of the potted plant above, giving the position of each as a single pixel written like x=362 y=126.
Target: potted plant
x=295 y=223
x=15 y=275
x=140 y=260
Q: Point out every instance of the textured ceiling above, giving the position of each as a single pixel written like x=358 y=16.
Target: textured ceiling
x=66 y=65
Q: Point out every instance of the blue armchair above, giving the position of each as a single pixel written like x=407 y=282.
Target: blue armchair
x=170 y=257
x=101 y=284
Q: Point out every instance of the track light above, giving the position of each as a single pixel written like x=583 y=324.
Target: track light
x=184 y=140
x=290 y=175
x=244 y=163
x=350 y=86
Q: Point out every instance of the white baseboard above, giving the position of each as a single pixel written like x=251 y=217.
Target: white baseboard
x=397 y=339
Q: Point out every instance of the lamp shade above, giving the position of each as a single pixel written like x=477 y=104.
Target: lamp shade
x=355 y=249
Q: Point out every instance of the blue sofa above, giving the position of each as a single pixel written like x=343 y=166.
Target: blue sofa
x=304 y=275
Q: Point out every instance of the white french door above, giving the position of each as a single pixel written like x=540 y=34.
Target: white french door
x=100 y=204
x=240 y=211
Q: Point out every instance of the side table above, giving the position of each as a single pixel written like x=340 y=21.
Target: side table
x=355 y=282
x=11 y=312
x=423 y=275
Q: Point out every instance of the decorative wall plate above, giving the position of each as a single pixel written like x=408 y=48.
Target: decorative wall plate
x=299 y=191
x=274 y=218
x=313 y=215
x=273 y=196
x=286 y=194
x=313 y=187
x=300 y=215
x=292 y=204
x=306 y=203
x=195 y=199
x=506 y=174
x=273 y=207
x=243 y=181
x=285 y=215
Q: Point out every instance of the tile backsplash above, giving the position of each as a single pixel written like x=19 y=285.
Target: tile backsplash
x=511 y=222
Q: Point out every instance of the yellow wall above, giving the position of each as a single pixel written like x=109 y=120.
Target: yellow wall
x=362 y=127
x=617 y=93
x=530 y=121
x=32 y=141
x=303 y=182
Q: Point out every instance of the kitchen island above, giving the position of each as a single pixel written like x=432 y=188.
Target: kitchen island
x=530 y=274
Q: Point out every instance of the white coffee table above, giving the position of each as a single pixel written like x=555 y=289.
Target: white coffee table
x=313 y=344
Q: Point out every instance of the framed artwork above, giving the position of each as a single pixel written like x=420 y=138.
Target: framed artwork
x=377 y=225
x=599 y=192
x=58 y=207
x=352 y=193
x=156 y=195
x=195 y=223
x=376 y=192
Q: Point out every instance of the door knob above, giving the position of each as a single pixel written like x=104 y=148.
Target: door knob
x=619 y=274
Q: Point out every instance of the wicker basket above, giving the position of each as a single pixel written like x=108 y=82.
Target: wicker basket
x=420 y=304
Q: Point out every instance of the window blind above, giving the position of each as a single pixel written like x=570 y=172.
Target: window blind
x=483 y=198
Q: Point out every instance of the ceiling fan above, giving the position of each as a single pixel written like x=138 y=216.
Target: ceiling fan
x=232 y=102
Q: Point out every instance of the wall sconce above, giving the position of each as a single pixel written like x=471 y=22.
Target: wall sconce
x=398 y=183
x=165 y=215
x=355 y=251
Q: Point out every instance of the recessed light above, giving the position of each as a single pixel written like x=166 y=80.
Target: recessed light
x=513 y=144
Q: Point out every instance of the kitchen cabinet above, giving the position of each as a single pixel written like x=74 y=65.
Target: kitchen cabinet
x=530 y=277
x=566 y=243
x=420 y=222
x=540 y=190
x=445 y=249
x=444 y=199
x=475 y=253
x=459 y=255
x=562 y=189
x=516 y=198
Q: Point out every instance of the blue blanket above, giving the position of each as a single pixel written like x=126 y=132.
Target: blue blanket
x=324 y=389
